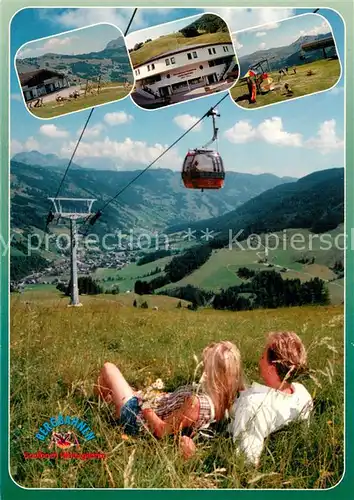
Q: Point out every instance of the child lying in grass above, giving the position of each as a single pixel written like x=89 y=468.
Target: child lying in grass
x=187 y=407
x=263 y=409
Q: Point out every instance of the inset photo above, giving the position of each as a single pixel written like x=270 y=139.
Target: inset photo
x=75 y=70
x=182 y=60
x=285 y=60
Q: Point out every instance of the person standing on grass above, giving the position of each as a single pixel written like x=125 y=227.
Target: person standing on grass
x=189 y=407
x=263 y=409
x=252 y=90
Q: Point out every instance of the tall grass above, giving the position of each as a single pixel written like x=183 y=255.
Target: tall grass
x=56 y=353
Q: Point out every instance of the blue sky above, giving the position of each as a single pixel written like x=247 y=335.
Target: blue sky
x=284 y=139
x=280 y=34
x=80 y=41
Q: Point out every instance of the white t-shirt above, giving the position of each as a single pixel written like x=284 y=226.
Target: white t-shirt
x=261 y=410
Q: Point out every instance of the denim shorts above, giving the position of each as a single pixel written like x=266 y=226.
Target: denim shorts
x=129 y=416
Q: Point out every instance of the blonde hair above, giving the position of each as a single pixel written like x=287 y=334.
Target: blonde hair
x=223 y=375
x=287 y=352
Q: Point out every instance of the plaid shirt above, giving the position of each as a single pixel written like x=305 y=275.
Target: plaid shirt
x=167 y=404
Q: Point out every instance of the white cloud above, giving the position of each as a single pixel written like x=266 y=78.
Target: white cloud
x=237 y=44
x=25 y=53
x=117 y=118
x=16 y=97
x=78 y=18
x=241 y=132
x=337 y=90
x=271 y=26
x=321 y=29
x=243 y=18
x=94 y=131
x=16 y=147
x=127 y=152
x=30 y=144
x=260 y=33
x=82 y=17
x=262 y=45
x=326 y=140
x=52 y=45
x=186 y=121
x=270 y=131
x=51 y=130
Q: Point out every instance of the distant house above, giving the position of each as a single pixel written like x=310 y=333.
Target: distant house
x=41 y=82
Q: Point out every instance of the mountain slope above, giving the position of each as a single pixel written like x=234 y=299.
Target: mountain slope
x=288 y=55
x=41 y=160
x=314 y=202
x=112 y=63
x=156 y=200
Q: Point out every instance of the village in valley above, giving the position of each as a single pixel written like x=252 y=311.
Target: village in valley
x=59 y=270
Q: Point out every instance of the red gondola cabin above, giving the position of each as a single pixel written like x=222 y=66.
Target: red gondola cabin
x=203 y=169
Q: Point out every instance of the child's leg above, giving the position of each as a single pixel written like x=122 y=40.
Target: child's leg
x=112 y=386
x=101 y=389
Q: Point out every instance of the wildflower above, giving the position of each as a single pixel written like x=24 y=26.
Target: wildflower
x=158 y=384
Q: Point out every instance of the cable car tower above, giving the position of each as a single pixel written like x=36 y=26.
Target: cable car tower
x=73 y=209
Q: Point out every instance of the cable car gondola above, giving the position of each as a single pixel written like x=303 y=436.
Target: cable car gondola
x=203 y=168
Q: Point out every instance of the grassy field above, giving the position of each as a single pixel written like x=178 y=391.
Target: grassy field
x=56 y=353
x=174 y=41
x=126 y=277
x=50 y=296
x=220 y=271
x=109 y=93
x=326 y=74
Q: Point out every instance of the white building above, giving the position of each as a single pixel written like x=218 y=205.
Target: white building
x=40 y=82
x=185 y=69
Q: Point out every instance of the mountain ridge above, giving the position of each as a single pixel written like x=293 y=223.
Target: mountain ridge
x=154 y=201
x=111 y=63
x=285 y=55
x=315 y=199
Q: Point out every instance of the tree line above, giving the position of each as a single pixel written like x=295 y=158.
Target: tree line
x=151 y=257
x=22 y=266
x=87 y=286
x=179 y=267
x=266 y=290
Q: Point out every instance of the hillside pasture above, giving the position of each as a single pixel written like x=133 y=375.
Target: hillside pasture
x=326 y=74
x=174 y=41
x=220 y=271
x=126 y=277
x=56 y=354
